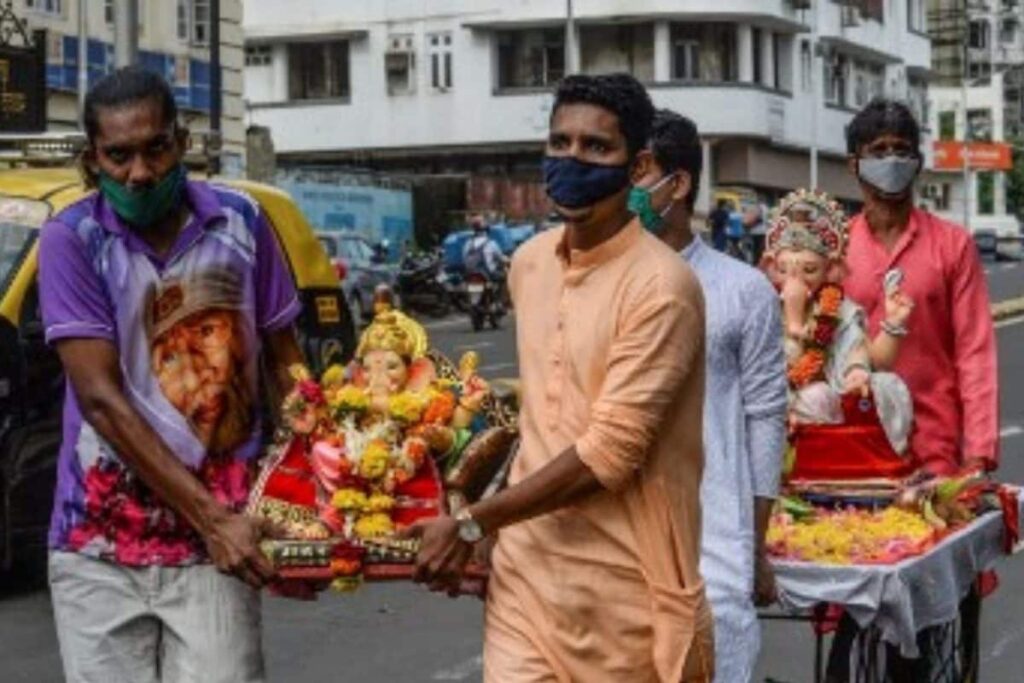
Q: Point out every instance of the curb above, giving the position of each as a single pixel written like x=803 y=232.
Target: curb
x=1008 y=308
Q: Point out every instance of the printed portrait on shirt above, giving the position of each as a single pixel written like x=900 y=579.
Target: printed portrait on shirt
x=198 y=354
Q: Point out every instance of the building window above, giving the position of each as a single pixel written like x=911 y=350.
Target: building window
x=440 y=49
x=530 y=59
x=758 y=57
x=979 y=35
x=55 y=7
x=400 y=65
x=201 y=22
x=869 y=82
x=986 y=193
x=182 y=21
x=916 y=16
x=836 y=74
x=704 y=52
x=318 y=71
x=258 y=55
x=1008 y=31
x=979 y=125
x=108 y=12
x=806 y=66
x=686 y=60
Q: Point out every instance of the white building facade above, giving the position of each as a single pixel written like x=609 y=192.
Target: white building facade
x=174 y=40
x=982 y=121
x=464 y=86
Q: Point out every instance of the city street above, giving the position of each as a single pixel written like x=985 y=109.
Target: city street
x=399 y=632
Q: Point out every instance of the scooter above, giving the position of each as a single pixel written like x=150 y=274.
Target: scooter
x=420 y=286
x=485 y=302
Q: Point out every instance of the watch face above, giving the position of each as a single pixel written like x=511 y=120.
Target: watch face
x=469 y=530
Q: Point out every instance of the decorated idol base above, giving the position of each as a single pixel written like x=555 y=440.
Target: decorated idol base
x=398 y=436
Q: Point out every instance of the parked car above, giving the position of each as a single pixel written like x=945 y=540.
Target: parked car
x=31 y=377
x=361 y=266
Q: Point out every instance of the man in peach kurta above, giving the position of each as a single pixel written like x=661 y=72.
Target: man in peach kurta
x=595 y=572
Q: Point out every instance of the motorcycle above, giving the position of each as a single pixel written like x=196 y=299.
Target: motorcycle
x=485 y=301
x=421 y=287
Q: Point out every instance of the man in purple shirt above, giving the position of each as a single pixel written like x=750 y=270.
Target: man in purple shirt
x=159 y=294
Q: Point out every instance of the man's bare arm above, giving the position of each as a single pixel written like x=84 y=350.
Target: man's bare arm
x=562 y=482
x=93 y=367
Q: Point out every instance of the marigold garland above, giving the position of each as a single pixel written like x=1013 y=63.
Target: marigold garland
x=809 y=367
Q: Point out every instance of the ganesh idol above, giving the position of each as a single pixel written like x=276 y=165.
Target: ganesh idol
x=367 y=443
x=832 y=365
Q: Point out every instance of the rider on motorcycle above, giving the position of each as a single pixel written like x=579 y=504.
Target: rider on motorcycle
x=482 y=254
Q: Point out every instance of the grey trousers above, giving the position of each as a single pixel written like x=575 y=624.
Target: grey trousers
x=121 y=624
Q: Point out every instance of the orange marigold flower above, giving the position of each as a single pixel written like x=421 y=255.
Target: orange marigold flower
x=830 y=299
x=440 y=409
x=807 y=368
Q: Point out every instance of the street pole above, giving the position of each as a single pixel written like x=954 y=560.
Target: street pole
x=817 y=74
x=83 y=56
x=216 y=96
x=126 y=32
x=571 y=66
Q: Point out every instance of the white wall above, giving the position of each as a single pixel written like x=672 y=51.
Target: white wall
x=472 y=113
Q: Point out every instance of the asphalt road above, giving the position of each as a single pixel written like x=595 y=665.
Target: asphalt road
x=397 y=632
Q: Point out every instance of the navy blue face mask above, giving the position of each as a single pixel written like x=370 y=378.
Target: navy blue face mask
x=575 y=184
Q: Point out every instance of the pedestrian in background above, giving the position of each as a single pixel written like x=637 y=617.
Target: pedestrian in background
x=745 y=401
x=718 y=219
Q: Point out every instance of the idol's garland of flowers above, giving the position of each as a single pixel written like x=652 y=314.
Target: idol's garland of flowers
x=809 y=366
x=369 y=453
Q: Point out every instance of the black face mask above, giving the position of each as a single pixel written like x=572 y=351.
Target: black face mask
x=576 y=184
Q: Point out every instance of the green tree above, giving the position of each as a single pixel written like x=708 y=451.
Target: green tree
x=1015 y=181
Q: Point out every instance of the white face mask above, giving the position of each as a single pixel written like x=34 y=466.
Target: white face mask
x=891 y=174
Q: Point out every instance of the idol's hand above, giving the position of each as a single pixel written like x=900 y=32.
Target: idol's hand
x=442 y=556
x=898 y=307
x=857 y=381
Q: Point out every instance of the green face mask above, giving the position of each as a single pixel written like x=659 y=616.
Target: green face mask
x=146 y=207
x=639 y=203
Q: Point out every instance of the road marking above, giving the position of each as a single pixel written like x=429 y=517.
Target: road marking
x=496 y=367
x=1016 y=320
x=446 y=323
x=1005 y=642
x=474 y=346
x=1012 y=430
x=461 y=671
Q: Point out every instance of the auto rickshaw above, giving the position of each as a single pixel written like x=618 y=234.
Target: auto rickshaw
x=40 y=181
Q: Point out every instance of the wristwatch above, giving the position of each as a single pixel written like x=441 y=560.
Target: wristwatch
x=469 y=528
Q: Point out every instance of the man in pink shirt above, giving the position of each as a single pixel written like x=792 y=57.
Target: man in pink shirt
x=948 y=359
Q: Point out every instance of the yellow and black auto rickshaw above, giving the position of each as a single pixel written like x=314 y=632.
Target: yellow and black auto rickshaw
x=31 y=382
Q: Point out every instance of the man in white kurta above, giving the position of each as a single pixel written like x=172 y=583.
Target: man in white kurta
x=745 y=405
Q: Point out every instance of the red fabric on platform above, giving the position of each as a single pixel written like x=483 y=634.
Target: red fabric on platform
x=292 y=480
x=846 y=452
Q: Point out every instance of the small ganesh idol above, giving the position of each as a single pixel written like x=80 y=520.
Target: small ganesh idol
x=372 y=432
x=828 y=353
